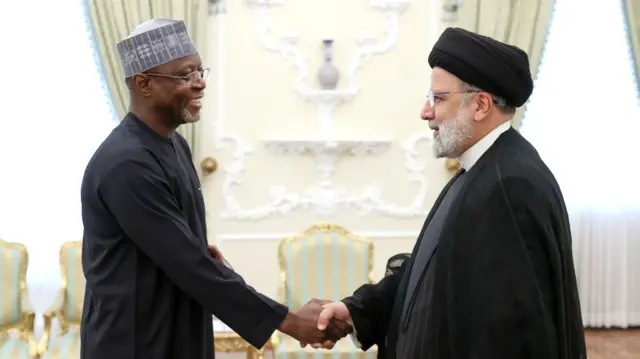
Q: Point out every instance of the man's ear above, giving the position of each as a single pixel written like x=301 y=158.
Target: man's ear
x=142 y=83
x=484 y=103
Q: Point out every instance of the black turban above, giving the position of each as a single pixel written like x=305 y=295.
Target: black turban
x=495 y=67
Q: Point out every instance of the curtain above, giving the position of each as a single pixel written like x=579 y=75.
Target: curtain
x=52 y=127
x=112 y=21
x=606 y=251
x=632 y=17
x=588 y=140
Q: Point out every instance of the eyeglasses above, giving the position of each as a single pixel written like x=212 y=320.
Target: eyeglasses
x=432 y=95
x=190 y=78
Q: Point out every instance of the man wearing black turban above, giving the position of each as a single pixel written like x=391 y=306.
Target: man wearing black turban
x=491 y=275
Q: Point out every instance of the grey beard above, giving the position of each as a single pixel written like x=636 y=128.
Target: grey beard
x=452 y=136
x=187 y=117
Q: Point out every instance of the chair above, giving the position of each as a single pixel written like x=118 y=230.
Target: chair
x=67 y=307
x=16 y=314
x=326 y=262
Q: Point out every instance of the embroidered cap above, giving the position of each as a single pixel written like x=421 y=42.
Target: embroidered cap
x=153 y=43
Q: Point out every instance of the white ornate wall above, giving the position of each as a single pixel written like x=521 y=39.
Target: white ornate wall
x=291 y=155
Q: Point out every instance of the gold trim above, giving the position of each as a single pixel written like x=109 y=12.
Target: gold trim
x=57 y=308
x=228 y=342
x=452 y=164
x=25 y=326
x=209 y=165
x=322 y=228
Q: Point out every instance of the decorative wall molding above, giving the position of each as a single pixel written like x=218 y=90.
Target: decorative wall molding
x=324 y=196
x=326 y=100
x=217 y=7
x=380 y=235
x=450 y=11
x=327 y=153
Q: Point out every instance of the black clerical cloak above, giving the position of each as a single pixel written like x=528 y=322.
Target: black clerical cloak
x=500 y=284
x=151 y=285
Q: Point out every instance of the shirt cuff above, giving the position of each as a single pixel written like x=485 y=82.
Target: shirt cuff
x=354 y=337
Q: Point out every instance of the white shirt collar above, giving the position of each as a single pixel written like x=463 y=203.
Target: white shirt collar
x=473 y=154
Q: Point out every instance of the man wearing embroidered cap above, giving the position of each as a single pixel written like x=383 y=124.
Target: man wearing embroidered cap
x=491 y=275
x=152 y=282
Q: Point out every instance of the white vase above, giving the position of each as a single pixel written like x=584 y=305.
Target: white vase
x=328 y=74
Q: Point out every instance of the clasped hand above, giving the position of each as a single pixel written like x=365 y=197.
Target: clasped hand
x=320 y=324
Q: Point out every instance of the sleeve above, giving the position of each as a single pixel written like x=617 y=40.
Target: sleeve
x=354 y=338
x=370 y=308
x=138 y=196
x=500 y=277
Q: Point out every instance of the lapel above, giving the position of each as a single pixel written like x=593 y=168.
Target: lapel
x=402 y=288
x=511 y=138
x=508 y=138
x=505 y=138
x=431 y=213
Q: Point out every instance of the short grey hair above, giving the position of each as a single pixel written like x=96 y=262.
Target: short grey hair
x=499 y=101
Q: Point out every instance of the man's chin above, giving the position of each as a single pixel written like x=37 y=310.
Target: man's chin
x=446 y=150
x=439 y=152
x=190 y=117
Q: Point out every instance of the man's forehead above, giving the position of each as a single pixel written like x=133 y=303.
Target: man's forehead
x=442 y=79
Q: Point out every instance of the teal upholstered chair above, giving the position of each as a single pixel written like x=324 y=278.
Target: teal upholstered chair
x=67 y=307
x=17 y=339
x=324 y=262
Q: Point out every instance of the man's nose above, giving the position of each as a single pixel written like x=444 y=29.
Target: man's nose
x=427 y=112
x=199 y=84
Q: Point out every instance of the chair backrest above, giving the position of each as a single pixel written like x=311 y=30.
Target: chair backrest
x=73 y=281
x=13 y=280
x=325 y=262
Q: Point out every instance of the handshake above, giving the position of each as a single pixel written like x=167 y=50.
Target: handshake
x=319 y=323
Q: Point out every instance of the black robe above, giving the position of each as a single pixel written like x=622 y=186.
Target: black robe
x=501 y=283
x=151 y=285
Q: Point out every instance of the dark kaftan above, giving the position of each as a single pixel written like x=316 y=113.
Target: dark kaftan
x=499 y=281
x=152 y=287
